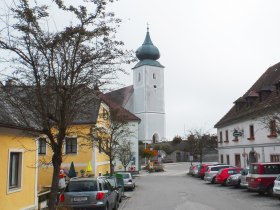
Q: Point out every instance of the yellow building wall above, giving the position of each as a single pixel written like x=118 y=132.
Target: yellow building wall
x=85 y=152
x=102 y=160
x=16 y=140
x=80 y=160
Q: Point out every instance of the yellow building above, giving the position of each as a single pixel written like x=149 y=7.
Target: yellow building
x=78 y=148
x=18 y=183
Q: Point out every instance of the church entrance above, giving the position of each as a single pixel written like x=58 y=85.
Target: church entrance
x=155 y=138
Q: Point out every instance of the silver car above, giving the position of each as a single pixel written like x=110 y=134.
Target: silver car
x=129 y=182
x=243 y=178
x=83 y=193
x=212 y=171
x=276 y=188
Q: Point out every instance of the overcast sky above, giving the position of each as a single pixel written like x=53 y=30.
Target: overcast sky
x=213 y=51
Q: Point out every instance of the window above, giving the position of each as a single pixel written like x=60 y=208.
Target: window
x=154 y=76
x=71 y=145
x=274 y=158
x=105 y=114
x=222 y=159
x=237 y=160
x=228 y=159
x=226 y=136
x=99 y=146
x=15 y=170
x=272 y=128
x=139 y=77
x=221 y=136
x=42 y=146
x=251 y=130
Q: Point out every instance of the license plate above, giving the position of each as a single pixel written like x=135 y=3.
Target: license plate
x=79 y=199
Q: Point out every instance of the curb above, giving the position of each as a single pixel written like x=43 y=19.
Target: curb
x=123 y=203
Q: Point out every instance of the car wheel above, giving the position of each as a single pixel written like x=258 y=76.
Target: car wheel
x=270 y=191
x=261 y=193
x=213 y=180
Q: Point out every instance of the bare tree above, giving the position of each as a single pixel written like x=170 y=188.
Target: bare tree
x=117 y=131
x=124 y=152
x=200 y=142
x=55 y=68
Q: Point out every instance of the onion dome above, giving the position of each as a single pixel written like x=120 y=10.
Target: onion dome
x=147 y=50
x=148 y=53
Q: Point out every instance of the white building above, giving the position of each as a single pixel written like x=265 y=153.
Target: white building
x=131 y=132
x=145 y=98
x=244 y=136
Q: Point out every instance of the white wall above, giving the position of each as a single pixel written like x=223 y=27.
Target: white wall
x=263 y=145
x=133 y=126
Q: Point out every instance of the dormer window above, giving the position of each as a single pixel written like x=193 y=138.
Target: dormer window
x=264 y=93
x=239 y=103
x=251 y=98
x=277 y=85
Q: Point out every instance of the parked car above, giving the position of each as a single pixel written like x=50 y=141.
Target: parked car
x=261 y=177
x=195 y=170
x=276 y=188
x=201 y=170
x=129 y=182
x=89 y=193
x=243 y=178
x=118 y=186
x=224 y=173
x=234 y=180
x=212 y=171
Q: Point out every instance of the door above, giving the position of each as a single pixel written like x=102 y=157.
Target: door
x=237 y=160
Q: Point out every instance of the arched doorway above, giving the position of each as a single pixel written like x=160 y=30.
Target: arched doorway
x=155 y=138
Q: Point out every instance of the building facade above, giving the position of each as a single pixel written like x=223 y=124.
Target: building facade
x=249 y=132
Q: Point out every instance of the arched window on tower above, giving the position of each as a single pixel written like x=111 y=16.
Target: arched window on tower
x=155 y=138
x=154 y=76
x=139 y=77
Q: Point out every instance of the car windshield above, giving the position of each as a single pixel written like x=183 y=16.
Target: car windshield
x=254 y=169
x=232 y=171
x=244 y=172
x=112 y=182
x=125 y=176
x=82 y=186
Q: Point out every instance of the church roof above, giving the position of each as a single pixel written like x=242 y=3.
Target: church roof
x=268 y=82
x=147 y=53
x=121 y=96
x=122 y=113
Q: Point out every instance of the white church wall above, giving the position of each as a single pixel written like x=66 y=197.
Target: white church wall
x=151 y=123
x=133 y=127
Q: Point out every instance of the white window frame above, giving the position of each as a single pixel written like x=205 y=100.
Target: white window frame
x=20 y=173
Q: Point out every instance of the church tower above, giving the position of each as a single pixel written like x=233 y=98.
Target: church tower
x=148 y=85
